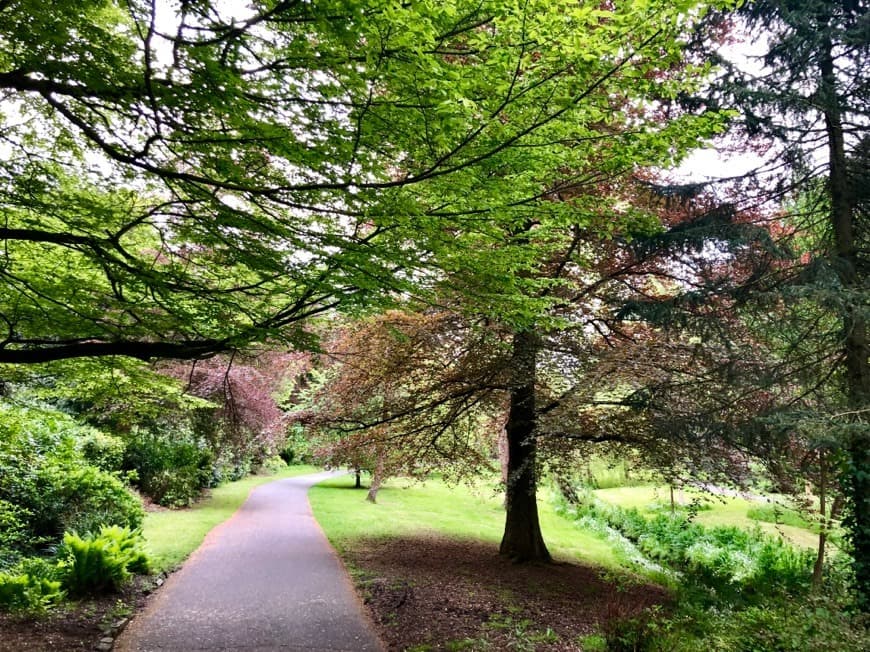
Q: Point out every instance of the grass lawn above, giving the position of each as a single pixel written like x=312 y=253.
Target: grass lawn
x=171 y=535
x=723 y=510
x=407 y=508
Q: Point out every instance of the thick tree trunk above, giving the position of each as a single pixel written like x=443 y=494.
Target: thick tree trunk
x=855 y=344
x=522 y=540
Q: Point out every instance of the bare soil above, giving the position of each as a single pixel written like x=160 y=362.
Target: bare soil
x=72 y=626
x=431 y=593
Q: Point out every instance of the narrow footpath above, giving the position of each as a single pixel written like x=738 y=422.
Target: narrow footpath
x=265 y=580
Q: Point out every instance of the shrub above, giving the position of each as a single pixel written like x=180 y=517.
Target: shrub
x=296 y=448
x=172 y=472
x=47 y=486
x=736 y=565
x=31 y=586
x=99 y=563
x=14 y=533
x=102 y=451
x=86 y=499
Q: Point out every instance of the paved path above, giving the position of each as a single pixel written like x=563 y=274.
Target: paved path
x=263 y=581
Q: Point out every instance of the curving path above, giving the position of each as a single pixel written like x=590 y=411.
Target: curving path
x=265 y=580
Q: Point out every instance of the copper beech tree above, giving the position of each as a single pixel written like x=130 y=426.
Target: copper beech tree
x=406 y=392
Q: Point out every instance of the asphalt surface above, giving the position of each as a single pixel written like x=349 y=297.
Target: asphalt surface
x=265 y=580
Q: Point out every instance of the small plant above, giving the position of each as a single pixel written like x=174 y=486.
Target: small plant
x=32 y=586
x=101 y=563
x=593 y=643
x=522 y=636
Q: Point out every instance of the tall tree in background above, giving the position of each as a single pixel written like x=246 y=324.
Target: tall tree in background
x=809 y=98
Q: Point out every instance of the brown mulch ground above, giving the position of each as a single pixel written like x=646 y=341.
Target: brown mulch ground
x=73 y=626
x=430 y=593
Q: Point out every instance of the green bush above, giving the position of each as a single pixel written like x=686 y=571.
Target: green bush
x=47 y=486
x=102 y=451
x=87 y=499
x=732 y=564
x=30 y=586
x=15 y=534
x=172 y=472
x=296 y=448
x=100 y=563
x=815 y=624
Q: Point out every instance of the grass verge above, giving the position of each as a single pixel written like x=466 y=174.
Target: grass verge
x=171 y=535
x=459 y=512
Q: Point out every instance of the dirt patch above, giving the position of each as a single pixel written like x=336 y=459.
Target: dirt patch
x=73 y=626
x=430 y=593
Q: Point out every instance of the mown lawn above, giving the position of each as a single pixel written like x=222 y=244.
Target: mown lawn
x=462 y=512
x=171 y=535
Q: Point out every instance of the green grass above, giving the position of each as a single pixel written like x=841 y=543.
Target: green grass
x=171 y=535
x=723 y=510
x=406 y=509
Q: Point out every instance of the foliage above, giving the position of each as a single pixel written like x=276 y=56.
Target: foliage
x=297 y=447
x=734 y=564
x=32 y=586
x=48 y=482
x=385 y=400
x=84 y=498
x=101 y=562
x=806 y=116
x=106 y=452
x=127 y=170
x=813 y=624
x=171 y=468
x=15 y=534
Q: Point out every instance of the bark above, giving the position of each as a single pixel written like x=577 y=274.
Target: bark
x=357 y=475
x=522 y=540
x=819 y=566
x=377 y=480
x=47 y=351
x=855 y=345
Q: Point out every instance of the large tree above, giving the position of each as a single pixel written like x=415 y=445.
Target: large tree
x=805 y=97
x=180 y=179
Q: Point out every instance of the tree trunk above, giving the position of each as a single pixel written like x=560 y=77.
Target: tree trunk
x=377 y=479
x=819 y=567
x=522 y=540
x=855 y=345
x=357 y=474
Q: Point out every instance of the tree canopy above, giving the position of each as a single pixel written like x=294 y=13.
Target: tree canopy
x=182 y=179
